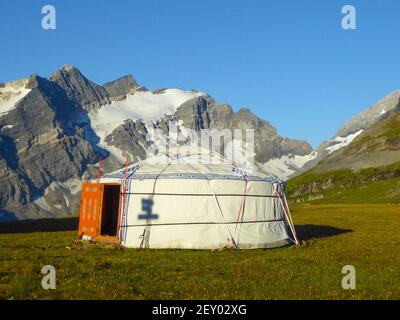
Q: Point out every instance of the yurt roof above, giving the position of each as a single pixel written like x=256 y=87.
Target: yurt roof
x=203 y=165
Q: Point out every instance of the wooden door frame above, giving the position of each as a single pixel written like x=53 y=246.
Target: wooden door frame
x=99 y=237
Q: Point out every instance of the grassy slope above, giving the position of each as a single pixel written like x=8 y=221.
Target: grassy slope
x=385 y=135
x=310 y=271
x=364 y=186
x=373 y=185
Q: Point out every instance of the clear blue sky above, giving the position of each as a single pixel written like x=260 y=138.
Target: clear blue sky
x=289 y=61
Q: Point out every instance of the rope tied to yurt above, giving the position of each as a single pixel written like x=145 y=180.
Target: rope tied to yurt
x=287 y=215
x=124 y=183
x=127 y=173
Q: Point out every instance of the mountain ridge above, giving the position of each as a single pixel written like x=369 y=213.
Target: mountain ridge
x=58 y=128
x=354 y=127
x=369 y=165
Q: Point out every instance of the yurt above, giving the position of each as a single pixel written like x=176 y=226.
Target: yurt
x=195 y=201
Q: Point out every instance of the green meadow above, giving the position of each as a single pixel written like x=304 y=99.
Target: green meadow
x=373 y=185
x=332 y=236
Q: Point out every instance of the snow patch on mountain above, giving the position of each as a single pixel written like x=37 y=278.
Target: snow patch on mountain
x=341 y=142
x=42 y=203
x=145 y=105
x=7 y=127
x=59 y=195
x=116 y=152
x=11 y=93
x=287 y=165
x=72 y=185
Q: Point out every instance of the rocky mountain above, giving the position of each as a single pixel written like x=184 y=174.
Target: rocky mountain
x=370 y=116
x=54 y=131
x=352 y=129
x=121 y=87
x=203 y=112
x=367 y=159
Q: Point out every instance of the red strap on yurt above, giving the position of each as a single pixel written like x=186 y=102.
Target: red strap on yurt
x=124 y=198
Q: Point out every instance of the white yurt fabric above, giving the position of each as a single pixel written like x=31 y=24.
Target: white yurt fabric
x=200 y=202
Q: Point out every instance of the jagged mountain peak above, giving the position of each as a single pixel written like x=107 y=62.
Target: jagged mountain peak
x=245 y=114
x=67 y=71
x=89 y=94
x=69 y=68
x=79 y=89
x=121 y=86
x=127 y=78
x=245 y=110
x=370 y=116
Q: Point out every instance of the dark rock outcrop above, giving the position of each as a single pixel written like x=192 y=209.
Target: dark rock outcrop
x=120 y=87
x=79 y=89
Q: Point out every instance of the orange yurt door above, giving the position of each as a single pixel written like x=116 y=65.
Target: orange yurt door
x=89 y=217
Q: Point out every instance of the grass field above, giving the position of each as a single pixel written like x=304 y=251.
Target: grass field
x=373 y=185
x=365 y=236
x=377 y=192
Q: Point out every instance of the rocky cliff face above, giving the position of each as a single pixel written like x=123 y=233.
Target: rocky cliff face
x=204 y=113
x=42 y=142
x=54 y=131
x=79 y=89
x=121 y=87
